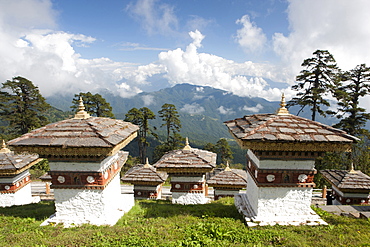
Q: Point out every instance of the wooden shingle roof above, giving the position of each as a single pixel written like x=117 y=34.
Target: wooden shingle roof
x=74 y=136
x=12 y=164
x=144 y=174
x=187 y=160
x=229 y=178
x=347 y=180
x=260 y=130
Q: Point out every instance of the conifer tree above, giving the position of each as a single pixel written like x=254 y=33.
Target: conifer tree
x=356 y=84
x=171 y=119
x=22 y=106
x=316 y=81
x=174 y=140
x=224 y=151
x=94 y=104
x=141 y=118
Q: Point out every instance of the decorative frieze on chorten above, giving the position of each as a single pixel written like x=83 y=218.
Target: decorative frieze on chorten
x=187 y=168
x=146 y=180
x=349 y=187
x=15 y=181
x=228 y=182
x=281 y=151
x=85 y=161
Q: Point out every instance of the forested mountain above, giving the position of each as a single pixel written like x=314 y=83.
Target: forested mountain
x=202 y=111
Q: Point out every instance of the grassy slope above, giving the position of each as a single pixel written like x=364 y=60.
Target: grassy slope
x=158 y=223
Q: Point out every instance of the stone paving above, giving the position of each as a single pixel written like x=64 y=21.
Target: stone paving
x=348 y=210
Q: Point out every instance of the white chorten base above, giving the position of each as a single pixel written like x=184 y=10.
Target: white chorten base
x=189 y=198
x=282 y=206
x=20 y=197
x=97 y=207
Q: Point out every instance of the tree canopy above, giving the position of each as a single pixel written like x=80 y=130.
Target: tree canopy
x=316 y=82
x=355 y=85
x=94 y=104
x=22 y=106
x=141 y=118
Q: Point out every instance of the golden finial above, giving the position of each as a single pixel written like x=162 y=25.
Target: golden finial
x=147 y=165
x=81 y=114
x=187 y=146
x=282 y=110
x=352 y=170
x=227 y=167
x=4 y=149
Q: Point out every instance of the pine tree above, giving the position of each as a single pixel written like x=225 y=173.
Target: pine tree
x=356 y=85
x=317 y=81
x=174 y=140
x=171 y=119
x=94 y=104
x=141 y=118
x=22 y=106
x=224 y=151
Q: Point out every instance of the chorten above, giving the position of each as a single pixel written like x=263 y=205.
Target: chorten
x=228 y=182
x=15 y=181
x=349 y=186
x=85 y=162
x=187 y=168
x=146 y=180
x=281 y=152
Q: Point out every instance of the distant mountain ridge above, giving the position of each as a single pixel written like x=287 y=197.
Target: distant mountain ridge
x=202 y=109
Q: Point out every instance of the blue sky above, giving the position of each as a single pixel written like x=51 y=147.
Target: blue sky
x=249 y=48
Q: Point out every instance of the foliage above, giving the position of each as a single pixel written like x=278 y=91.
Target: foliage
x=141 y=118
x=223 y=150
x=170 y=117
x=95 y=104
x=356 y=85
x=159 y=223
x=39 y=169
x=130 y=162
x=317 y=80
x=54 y=115
x=174 y=140
x=22 y=106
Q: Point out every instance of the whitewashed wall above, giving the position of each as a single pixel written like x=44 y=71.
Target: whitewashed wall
x=189 y=198
x=97 y=207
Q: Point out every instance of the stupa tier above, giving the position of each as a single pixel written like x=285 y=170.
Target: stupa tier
x=146 y=180
x=85 y=162
x=348 y=187
x=281 y=153
x=15 y=179
x=187 y=168
x=228 y=182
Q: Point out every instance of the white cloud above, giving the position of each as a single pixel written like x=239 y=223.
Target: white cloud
x=154 y=17
x=338 y=26
x=255 y=109
x=148 y=99
x=29 y=47
x=193 y=108
x=334 y=25
x=243 y=79
x=225 y=111
x=250 y=37
x=199 y=89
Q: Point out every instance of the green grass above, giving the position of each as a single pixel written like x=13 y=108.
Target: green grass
x=159 y=223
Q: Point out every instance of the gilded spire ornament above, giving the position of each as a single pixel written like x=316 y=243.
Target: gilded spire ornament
x=4 y=149
x=187 y=146
x=282 y=110
x=227 y=167
x=352 y=170
x=147 y=165
x=81 y=114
